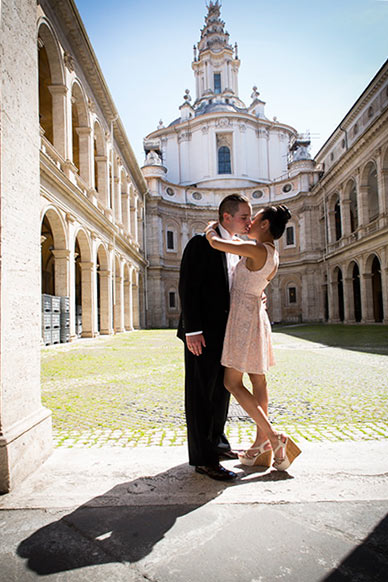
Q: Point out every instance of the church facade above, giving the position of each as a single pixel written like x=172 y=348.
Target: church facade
x=334 y=254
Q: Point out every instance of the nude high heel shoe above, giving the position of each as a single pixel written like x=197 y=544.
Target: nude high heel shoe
x=291 y=451
x=262 y=458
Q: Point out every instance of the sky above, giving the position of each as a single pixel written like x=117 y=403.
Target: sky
x=310 y=59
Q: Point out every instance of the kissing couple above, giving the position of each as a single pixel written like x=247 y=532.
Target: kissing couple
x=226 y=331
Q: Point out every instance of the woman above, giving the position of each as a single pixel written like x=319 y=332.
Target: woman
x=247 y=344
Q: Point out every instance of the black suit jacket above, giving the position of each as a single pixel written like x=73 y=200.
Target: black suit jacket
x=204 y=292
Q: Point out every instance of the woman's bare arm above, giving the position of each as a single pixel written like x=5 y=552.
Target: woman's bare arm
x=235 y=247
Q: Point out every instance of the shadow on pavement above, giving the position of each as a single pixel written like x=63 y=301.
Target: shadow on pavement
x=359 y=338
x=360 y=564
x=114 y=527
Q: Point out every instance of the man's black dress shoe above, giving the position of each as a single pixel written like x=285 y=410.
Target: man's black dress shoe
x=216 y=472
x=225 y=455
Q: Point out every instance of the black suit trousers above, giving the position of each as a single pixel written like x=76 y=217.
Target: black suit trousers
x=206 y=405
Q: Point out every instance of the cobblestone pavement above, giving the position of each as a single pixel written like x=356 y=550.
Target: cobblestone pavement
x=240 y=434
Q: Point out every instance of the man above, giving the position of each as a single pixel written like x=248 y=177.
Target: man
x=205 y=281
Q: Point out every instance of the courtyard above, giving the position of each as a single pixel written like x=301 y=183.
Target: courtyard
x=330 y=383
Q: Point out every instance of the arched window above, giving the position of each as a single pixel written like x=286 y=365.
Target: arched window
x=224 y=165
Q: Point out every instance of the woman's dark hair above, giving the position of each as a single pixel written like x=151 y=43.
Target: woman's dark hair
x=231 y=204
x=278 y=217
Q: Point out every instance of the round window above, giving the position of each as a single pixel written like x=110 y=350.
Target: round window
x=287 y=187
x=258 y=194
x=197 y=195
x=170 y=191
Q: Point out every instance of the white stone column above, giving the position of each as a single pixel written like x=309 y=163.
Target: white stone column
x=119 y=301
x=366 y=298
x=25 y=425
x=134 y=226
x=349 y=316
x=58 y=95
x=105 y=302
x=333 y=300
x=88 y=299
x=85 y=154
x=126 y=211
x=62 y=272
x=117 y=199
x=103 y=178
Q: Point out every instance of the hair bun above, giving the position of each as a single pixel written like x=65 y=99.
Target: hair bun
x=284 y=213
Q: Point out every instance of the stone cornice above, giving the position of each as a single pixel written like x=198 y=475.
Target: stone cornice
x=192 y=123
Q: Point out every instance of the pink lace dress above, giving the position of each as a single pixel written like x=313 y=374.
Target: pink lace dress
x=247 y=343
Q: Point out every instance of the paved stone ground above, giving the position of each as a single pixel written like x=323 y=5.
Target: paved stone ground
x=240 y=431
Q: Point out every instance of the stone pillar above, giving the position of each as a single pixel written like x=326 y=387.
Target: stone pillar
x=25 y=425
x=345 y=217
x=135 y=299
x=102 y=185
x=105 y=302
x=119 y=302
x=117 y=199
x=331 y=224
x=349 y=316
x=134 y=229
x=88 y=299
x=62 y=272
x=58 y=94
x=363 y=211
x=276 y=310
x=85 y=154
x=384 y=286
x=125 y=205
x=366 y=298
x=128 y=319
x=333 y=301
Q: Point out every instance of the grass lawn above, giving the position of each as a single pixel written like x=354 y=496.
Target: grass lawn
x=329 y=375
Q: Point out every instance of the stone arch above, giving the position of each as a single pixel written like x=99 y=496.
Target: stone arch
x=128 y=322
x=80 y=131
x=100 y=164
x=52 y=89
x=375 y=287
x=369 y=185
x=54 y=254
x=103 y=276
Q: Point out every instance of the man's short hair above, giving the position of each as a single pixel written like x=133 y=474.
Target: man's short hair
x=230 y=204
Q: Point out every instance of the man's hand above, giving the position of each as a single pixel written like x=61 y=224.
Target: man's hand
x=195 y=343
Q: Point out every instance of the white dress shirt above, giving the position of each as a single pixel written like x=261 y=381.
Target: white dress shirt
x=231 y=262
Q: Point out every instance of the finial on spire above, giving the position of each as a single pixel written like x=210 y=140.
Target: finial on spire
x=187 y=96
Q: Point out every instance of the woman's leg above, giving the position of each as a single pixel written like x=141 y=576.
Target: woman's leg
x=260 y=393
x=233 y=383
